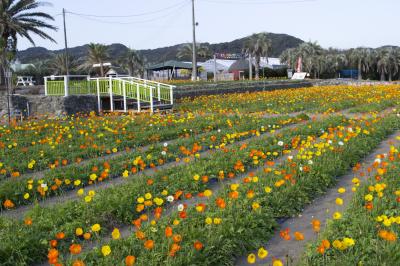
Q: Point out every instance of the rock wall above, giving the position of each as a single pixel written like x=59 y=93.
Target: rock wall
x=36 y=105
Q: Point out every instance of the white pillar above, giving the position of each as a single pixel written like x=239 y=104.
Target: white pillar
x=98 y=95
x=138 y=96
x=88 y=84
x=215 y=68
x=45 y=85
x=250 y=67
x=66 y=90
x=151 y=100
x=159 y=92
x=111 y=95
x=124 y=94
x=172 y=94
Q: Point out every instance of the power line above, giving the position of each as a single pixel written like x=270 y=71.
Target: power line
x=182 y=4
x=258 y=2
x=132 y=15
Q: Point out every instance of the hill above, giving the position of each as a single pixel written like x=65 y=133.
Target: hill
x=280 y=42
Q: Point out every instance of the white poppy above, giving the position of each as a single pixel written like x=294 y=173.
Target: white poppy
x=170 y=198
x=181 y=207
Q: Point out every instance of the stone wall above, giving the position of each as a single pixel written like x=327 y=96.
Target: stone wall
x=41 y=105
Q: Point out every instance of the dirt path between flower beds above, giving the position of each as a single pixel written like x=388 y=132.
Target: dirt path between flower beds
x=129 y=230
x=19 y=212
x=344 y=112
x=40 y=174
x=322 y=208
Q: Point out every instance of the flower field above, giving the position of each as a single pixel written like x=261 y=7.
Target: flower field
x=208 y=184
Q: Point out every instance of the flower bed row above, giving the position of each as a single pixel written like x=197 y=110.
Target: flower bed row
x=242 y=216
x=294 y=100
x=93 y=137
x=368 y=232
x=14 y=193
x=128 y=202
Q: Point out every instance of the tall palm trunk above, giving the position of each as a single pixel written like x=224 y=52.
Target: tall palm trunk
x=101 y=70
x=359 y=70
x=382 y=76
x=3 y=67
x=257 y=67
x=390 y=75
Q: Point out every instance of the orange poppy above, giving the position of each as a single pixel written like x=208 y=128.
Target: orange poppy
x=75 y=249
x=149 y=244
x=168 y=231
x=198 y=245
x=177 y=238
x=130 y=260
x=78 y=263
x=60 y=235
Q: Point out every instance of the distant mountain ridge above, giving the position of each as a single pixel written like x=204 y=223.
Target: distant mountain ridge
x=279 y=42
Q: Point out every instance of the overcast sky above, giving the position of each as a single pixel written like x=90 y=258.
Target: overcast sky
x=156 y=23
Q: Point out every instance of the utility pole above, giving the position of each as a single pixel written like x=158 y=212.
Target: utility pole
x=66 y=44
x=194 y=69
x=250 y=67
x=215 y=68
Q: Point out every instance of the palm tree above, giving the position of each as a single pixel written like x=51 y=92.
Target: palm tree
x=394 y=62
x=336 y=61
x=382 y=62
x=58 y=65
x=320 y=65
x=97 y=54
x=289 y=56
x=309 y=51
x=21 y=18
x=186 y=51
x=132 y=62
x=257 y=46
x=363 y=57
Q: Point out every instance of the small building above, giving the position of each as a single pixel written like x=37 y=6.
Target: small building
x=221 y=65
x=169 y=70
x=239 y=68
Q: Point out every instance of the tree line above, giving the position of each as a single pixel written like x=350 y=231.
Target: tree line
x=130 y=62
x=381 y=63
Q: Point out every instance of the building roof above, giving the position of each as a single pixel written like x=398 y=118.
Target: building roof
x=172 y=64
x=222 y=65
x=240 y=65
